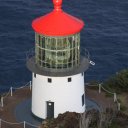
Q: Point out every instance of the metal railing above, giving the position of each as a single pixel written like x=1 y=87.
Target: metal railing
x=23 y=124
x=10 y=92
x=30 y=53
x=83 y=52
x=84 y=63
x=101 y=87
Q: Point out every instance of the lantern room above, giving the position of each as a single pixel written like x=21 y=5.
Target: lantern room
x=57 y=52
x=57 y=39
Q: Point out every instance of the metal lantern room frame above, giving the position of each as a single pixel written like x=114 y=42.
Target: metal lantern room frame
x=57 y=52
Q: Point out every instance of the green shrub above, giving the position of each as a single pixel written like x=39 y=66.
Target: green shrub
x=123 y=108
x=118 y=82
x=114 y=125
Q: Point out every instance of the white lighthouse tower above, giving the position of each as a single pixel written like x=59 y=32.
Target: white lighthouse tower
x=57 y=67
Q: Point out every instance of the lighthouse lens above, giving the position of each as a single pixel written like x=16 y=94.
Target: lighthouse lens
x=57 y=52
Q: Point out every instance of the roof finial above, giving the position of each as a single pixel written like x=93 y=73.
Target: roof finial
x=57 y=4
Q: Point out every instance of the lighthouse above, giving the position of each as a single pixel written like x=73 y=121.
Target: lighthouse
x=58 y=66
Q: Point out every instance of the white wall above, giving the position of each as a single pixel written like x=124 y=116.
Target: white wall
x=67 y=96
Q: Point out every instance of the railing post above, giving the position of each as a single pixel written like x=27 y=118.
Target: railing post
x=118 y=106
x=2 y=102
x=11 y=91
x=24 y=124
x=115 y=98
x=30 y=85
x=0 y=123
x=99 y=88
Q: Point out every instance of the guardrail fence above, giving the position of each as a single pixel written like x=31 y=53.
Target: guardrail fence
x=6 y=124
x=100 y=86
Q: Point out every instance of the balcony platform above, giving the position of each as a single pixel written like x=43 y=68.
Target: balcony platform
x=33 y=67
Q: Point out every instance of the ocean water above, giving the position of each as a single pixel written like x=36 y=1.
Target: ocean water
x=105 y=35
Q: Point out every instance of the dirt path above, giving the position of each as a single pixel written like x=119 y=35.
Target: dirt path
x=101 y=98
x=7 y=112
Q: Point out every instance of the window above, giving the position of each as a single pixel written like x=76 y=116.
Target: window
x=49 y=80
x=69 y=79
x=82 y=99
x=62 y=52
x=34 y=75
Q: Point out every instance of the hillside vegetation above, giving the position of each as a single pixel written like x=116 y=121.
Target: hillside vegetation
x=118 y=82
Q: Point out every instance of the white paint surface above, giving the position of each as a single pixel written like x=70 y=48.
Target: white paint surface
x=67 y=96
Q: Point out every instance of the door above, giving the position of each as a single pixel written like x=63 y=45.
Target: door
x=50 y=109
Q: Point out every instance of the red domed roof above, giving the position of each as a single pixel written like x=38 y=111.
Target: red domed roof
x=57 y=22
